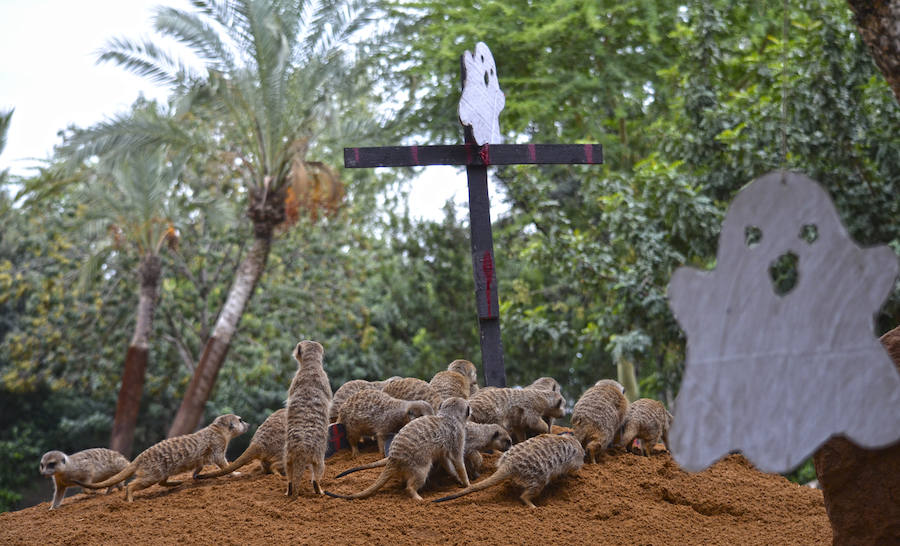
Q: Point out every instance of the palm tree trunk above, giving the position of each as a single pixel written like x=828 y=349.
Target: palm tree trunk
x=198 y=391
x=135 y=368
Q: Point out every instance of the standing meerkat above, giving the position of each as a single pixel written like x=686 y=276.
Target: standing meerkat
x=266 y=446
x=449 y=384
x=424 y=441
x=84 y=466
x=306 y=433
x=412 y=388
x=373 y=412
x=466 y=368
x=648 y=420
x=483 y=437
x=598 y=415
x=519 y=411
x=179 y=454
x=531 y=465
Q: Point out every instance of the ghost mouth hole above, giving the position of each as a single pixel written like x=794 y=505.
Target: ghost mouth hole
x=784 y=274
x=487 y=78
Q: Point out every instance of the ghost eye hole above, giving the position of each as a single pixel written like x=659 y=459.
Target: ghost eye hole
x=752 y=236
x=809 y=233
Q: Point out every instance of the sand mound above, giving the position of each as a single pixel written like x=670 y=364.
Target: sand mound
x=624 y=499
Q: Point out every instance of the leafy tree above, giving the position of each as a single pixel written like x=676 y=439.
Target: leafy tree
x=687 y=101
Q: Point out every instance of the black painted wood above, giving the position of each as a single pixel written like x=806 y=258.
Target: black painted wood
x=487 y=301
x=471 y=154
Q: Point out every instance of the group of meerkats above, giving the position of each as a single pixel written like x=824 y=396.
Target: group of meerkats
x=448 y=421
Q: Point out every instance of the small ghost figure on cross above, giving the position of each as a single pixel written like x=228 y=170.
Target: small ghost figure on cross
x=771 y=373
x=482 y=100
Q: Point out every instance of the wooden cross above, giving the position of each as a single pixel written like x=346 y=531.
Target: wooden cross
x=480 y=105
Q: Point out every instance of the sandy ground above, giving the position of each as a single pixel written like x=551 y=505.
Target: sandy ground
x=626 y=499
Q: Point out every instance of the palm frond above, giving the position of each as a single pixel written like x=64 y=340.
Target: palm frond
x=201 y=37
x=91 y=267
x=145 y=59
x=124 y=133
x=5 y=120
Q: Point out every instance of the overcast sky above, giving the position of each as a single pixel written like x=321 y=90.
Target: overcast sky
x=49 y=74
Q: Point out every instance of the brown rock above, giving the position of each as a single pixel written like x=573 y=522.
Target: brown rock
x=862 y=486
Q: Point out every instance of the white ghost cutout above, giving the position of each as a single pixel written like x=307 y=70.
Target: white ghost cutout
x=774 y=376
x=482 y=100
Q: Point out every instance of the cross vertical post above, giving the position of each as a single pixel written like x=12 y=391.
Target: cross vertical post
x=487 y=300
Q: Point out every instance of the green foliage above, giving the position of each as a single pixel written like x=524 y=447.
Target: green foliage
x=804 y=473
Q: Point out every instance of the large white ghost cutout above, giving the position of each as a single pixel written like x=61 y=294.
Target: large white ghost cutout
x=774 y=376
x=482 y=100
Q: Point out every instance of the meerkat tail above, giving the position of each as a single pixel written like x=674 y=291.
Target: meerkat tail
x=368 y=492
x=248 y=455
x=123 y=475
x=376 y=464
x=494 y=479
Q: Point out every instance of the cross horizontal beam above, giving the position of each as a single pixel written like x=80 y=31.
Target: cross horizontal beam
x=474 y=155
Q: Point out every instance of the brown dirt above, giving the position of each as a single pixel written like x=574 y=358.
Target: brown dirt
x=625 y=499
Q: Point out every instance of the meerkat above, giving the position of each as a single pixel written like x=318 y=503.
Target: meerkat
x=483 y=437
x=648 y=420
x=179 y=454
x=466 y=368
x=598 y=415
x=546 y=384
x=479 y=437
x=517 y=410
x=532 y=465
x=86 y=466
x=449 y=384
x=411 y=388
x=373 y=412
x=266 y=446
x=306 y=433
x=347 y=390
x=424 y=441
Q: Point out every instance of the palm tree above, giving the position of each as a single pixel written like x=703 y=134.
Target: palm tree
x=270 y=70
x=128 y=203
x=128 y=210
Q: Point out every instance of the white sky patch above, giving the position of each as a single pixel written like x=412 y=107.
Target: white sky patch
x=48 y=69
